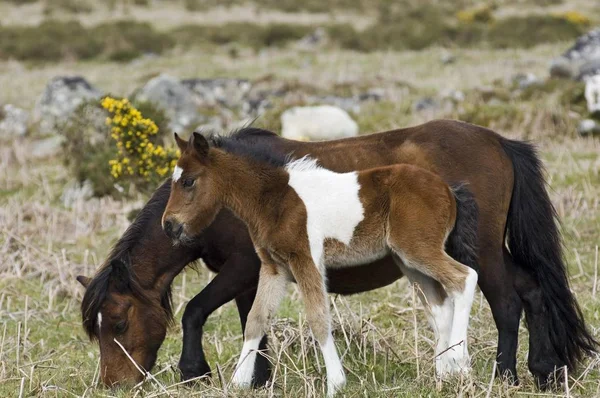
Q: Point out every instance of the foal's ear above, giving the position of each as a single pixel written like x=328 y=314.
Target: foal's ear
x=180 y=143
x=84 y=280
x=200 y=144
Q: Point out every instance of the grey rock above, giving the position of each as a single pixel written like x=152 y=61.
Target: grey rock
x=452 y=95
x=47 y=147
x=525 y=80
x=229 y=93
x=588 y=127
x=589 y=69
x=313 y=40
x=61 y=97
x=426 y=104
x=448 y=58
x=585 y=50
x=13 y=122
x=177 y=101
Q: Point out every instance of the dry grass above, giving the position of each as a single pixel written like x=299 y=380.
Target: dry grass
x=383 y=336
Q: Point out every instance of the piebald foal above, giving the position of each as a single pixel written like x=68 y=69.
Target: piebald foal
x=303 y=217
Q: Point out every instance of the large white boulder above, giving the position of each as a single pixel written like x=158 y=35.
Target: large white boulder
x=317 y=123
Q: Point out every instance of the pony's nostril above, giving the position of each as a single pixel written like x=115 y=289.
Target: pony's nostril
x=178 y=230
x=168 y=227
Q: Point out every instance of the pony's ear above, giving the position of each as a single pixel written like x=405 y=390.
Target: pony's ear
x=84 y=280
x=119 y=275
x=180 y=143
x=200 y=144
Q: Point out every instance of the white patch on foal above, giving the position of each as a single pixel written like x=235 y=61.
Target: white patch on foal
x=245 y=367
x=333 y=207
x=458 y=357
x=177 y=173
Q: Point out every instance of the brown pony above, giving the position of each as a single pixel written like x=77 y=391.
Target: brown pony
x=519 y=257
x=303 y=218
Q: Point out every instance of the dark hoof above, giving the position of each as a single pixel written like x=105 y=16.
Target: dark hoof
x=547 y=376
x=194 y=373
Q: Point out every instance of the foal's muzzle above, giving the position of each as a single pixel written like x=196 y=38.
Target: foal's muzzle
x=172 y=228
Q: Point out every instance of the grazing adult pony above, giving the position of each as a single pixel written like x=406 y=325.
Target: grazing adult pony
x=506 y=178
x=303 y=218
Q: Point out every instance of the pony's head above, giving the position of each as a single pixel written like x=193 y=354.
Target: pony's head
x=193 y=203
x=115 y=308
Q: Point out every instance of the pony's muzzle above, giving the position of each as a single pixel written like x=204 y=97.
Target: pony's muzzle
x=172 y=228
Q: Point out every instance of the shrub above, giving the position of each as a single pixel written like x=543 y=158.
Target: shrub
x=51 y=41
x=125 y=40
x=532 y=30
x=69 y=6
x=87 y=149
x=139 y=159
x=482 y=14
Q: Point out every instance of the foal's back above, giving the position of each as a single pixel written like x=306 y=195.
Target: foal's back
x=348 y=215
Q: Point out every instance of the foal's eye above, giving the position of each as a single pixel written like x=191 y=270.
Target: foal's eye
x=188 y=182
x=120 y=327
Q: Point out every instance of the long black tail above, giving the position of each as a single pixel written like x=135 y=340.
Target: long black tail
x=536 y=245
x=462 y=241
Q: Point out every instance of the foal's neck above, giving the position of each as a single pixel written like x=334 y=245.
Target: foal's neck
x=251 y=190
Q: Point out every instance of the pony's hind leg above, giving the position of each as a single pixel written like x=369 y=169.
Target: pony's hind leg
x=271 y=289
x=312 y=286
x=440 y=310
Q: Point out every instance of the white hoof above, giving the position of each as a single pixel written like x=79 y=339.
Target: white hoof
x=335 y=382
x=242 y=378
x=453 y=362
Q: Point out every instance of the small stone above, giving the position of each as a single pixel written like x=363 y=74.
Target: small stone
x=425 y=104
x=525 y=80
x=588 y=127
x=13 y=122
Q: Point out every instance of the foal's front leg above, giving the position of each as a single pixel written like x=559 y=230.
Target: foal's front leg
x=312 y=286
x=271 y=288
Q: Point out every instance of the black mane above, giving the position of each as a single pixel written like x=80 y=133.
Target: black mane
x=117 y=270
x=241 y=142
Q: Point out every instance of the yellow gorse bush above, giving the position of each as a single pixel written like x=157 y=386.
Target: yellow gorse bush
x=574 y=17
x=138 y=156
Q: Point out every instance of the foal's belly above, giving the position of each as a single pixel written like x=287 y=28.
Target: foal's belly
x=338 y=255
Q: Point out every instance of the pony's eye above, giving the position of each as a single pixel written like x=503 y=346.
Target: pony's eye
x=188 y=182
x=120 y=327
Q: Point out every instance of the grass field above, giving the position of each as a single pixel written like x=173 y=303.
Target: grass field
x=383 y=336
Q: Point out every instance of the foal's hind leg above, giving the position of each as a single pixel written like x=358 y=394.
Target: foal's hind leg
x=271 y=288
x=440 y=310
x=459 y=282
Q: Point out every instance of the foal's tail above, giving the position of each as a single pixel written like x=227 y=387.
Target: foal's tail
x=462 y=241
x=535 y=244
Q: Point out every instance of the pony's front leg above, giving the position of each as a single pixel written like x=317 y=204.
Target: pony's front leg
x=312 y=286
x=271 y=288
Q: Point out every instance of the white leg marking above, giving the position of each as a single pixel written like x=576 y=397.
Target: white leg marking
x=245 y=367
x=335 y=372
x=443 y=316
x=177 y=173
x=459 y=354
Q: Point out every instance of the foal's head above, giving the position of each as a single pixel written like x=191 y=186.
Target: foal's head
x=193 y=203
